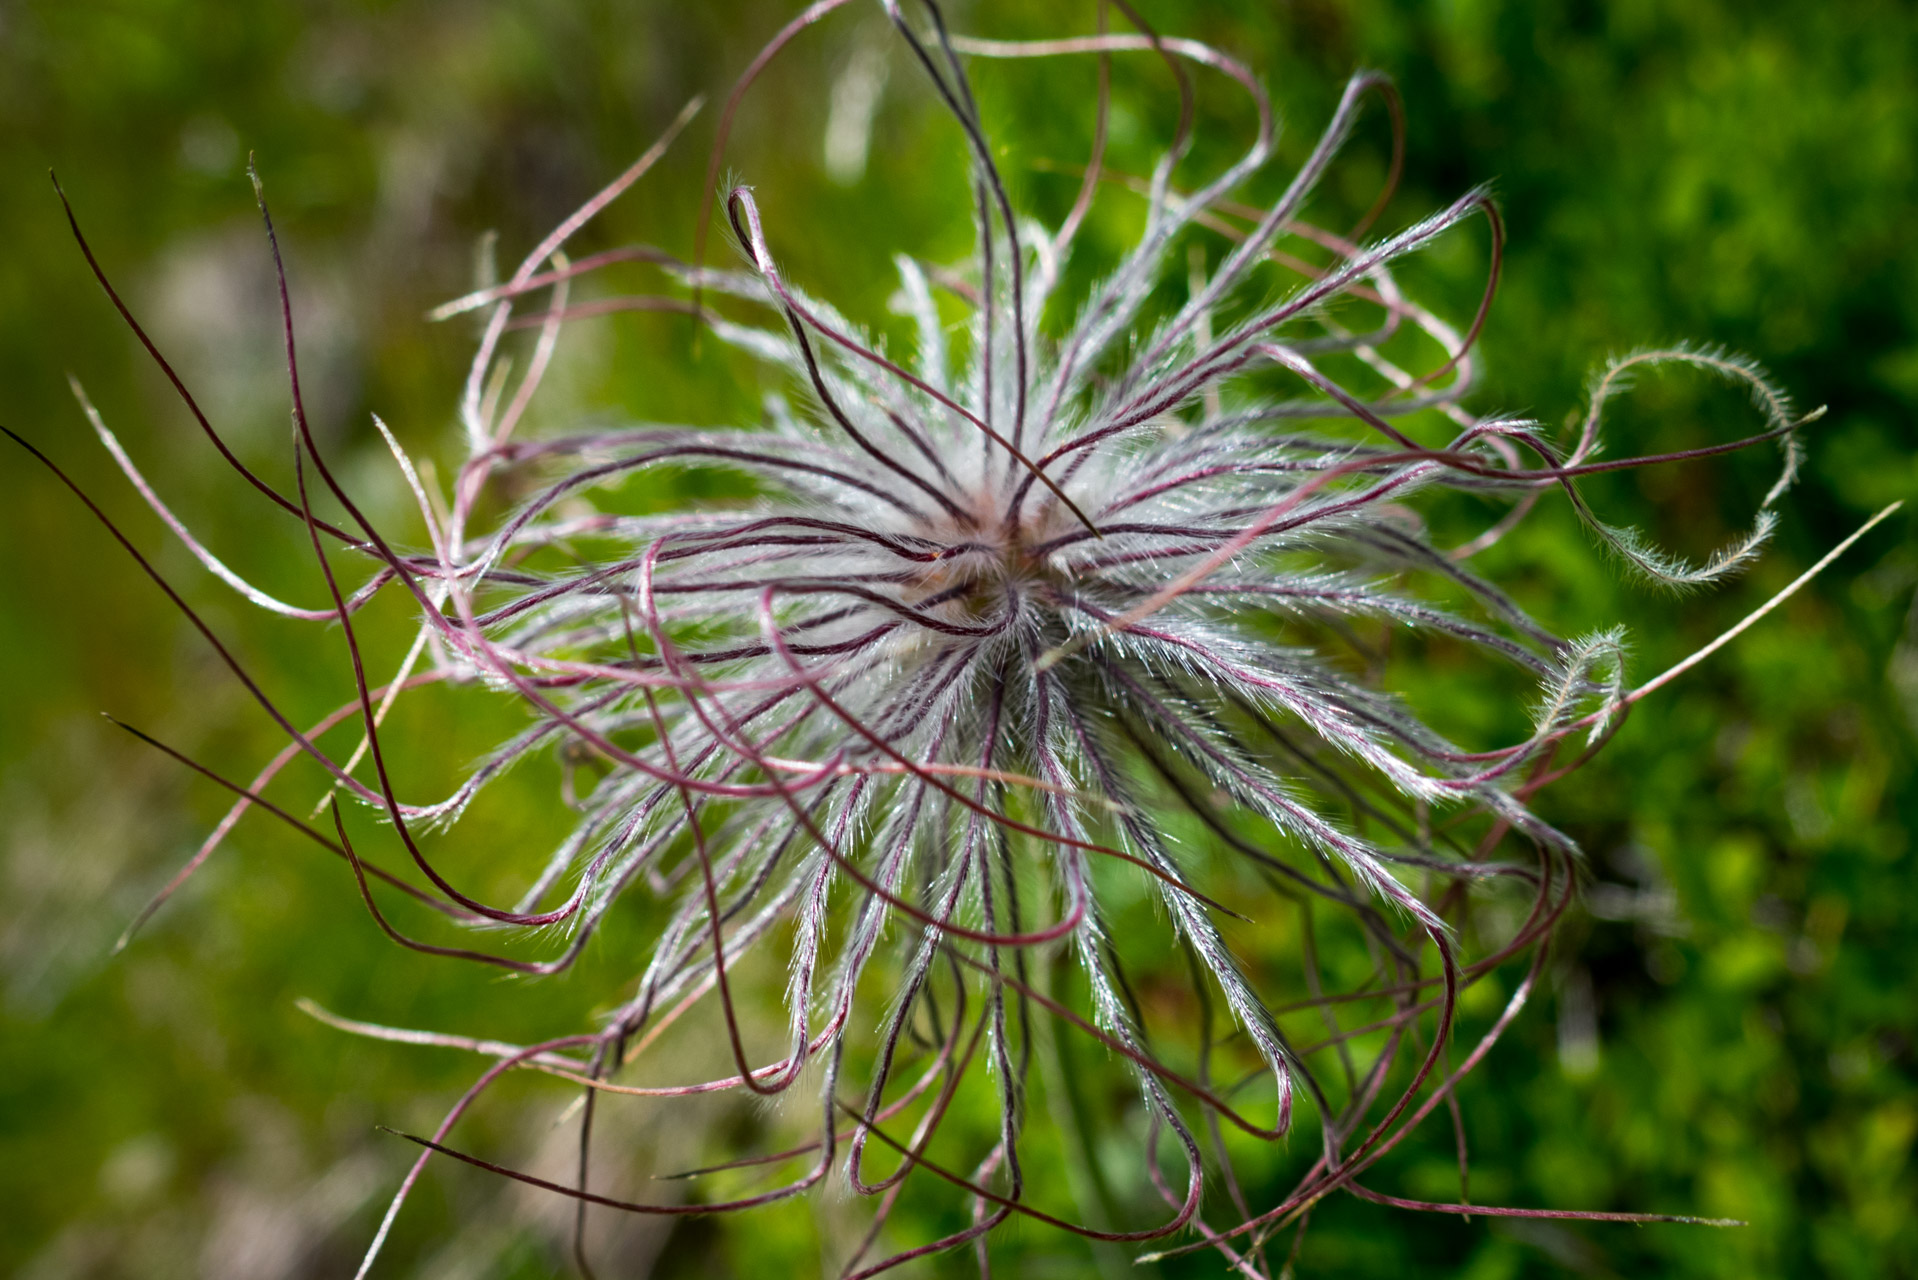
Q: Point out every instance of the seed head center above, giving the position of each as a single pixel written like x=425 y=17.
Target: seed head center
x=991 y=553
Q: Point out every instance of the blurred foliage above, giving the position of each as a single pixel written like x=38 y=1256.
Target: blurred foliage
x=1731 y=1029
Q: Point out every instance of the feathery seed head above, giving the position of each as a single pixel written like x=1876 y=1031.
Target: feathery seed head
x=1030 y=699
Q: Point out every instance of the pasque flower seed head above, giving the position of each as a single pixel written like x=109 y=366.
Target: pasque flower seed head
x=1073 y=610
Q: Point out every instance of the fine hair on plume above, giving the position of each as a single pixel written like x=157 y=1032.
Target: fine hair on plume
x=1029 y=700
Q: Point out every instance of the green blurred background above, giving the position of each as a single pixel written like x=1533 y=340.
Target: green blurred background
x=1730 y=1028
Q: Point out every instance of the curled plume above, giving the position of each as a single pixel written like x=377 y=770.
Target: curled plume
x=1023 y=715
